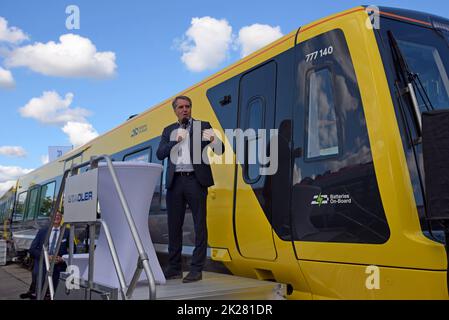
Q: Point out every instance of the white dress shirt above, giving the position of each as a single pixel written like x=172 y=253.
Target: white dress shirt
x=184 y=163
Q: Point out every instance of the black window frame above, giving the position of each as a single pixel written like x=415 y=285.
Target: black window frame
x=150 y=154
x=27 y=207
x=24 y=207
x=40 y=217
x=250 y=103
x=163 y=188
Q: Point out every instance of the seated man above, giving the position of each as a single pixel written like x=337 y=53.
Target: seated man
x=38 y=242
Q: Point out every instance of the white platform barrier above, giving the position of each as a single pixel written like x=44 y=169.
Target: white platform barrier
x=137 y=181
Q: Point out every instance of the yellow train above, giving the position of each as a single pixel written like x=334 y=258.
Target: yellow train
x=343 y=217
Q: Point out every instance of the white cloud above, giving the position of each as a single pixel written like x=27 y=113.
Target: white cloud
x=6 y=79
x=79 y=132
x=45 y=159
x=12 y=151
x=207 y=43
x=12 y=173
x=10 y=34
x=72 y=56
x=5 y=186
x=256 y=36
x=51 y=108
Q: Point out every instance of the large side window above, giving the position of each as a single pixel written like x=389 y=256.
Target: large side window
x=20 y=207
x=322 y=135
x=46 y=201
x=33 y=202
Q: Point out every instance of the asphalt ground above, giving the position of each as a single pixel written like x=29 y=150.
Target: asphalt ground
x=14 y=280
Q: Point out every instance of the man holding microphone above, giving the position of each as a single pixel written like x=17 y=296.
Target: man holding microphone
x=187 y=180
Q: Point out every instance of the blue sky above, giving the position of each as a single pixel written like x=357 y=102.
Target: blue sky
x=137 y=63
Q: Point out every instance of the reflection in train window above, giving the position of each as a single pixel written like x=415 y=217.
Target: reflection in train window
x=46 y=200
x=322 y=138
x=20 y=207
x=335 y=195
x=32 y=204
x=155 y=207
x=425 y=60
x=2 y=211
x=139 y=156
x=164 y=189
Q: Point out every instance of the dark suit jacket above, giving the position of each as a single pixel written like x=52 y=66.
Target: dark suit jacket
x=38 y=242
x=203 y=173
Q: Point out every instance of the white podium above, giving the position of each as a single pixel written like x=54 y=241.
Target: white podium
x=137 y=180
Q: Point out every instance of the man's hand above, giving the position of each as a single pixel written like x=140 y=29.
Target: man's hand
x=181 y=135
x=208 y=135
x=58 y=259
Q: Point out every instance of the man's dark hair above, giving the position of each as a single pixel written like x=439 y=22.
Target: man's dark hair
x=181 y=98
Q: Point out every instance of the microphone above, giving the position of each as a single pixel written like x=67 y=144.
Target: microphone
x=184 y=123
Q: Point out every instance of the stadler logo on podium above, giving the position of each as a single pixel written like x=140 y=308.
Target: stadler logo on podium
x=80 y=201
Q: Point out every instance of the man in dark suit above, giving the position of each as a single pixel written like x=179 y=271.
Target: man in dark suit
x=187 y=179
x=37 y=245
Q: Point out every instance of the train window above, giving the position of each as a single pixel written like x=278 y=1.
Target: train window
x=2 y=211
x=335 y=195
x=425 y=60
x=255 y=121
x=425 y=52
x=139 y=156
x=163 y=188
x=46 y=200
x=20 y=207
x=322 y=137
x=155 y=207
x=32 y=204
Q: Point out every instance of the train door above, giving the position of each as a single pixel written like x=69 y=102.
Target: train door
x=336 y=205
x=252 y=215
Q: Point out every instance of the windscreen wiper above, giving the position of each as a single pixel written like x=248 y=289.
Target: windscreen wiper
x=412 y=81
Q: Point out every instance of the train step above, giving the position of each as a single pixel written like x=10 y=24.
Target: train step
x=214 y=286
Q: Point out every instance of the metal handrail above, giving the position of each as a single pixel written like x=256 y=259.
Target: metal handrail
x=143 y=262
